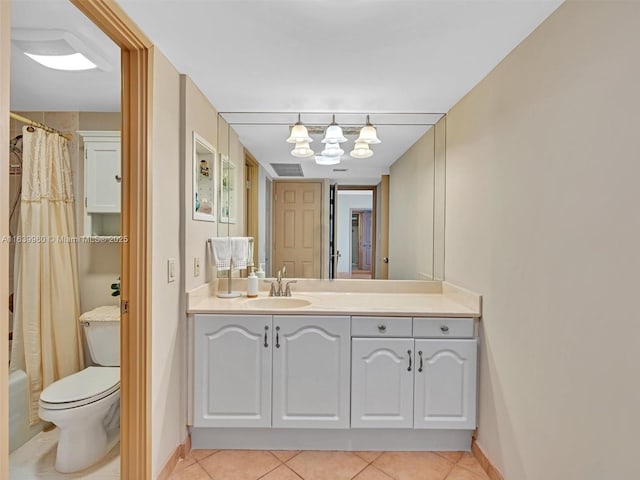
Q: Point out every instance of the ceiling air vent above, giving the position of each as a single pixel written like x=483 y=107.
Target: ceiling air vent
x=340 y=169
x=287 y=169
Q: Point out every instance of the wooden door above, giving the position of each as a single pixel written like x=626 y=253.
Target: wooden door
x=311 y=370
x=233 y=356
x=365 y=240
x=445 y=384
x=382 y=383
x=298 y=228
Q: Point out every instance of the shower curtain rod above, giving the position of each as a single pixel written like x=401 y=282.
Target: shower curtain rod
x=42 y=126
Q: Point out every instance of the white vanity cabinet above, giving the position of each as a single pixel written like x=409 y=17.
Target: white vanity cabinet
x=424 y=383
x=232 y=384
x=311 y=371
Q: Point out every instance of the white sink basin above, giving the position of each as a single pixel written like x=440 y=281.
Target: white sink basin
x=278 y=302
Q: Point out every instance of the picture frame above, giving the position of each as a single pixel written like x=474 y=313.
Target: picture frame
x=205 y=205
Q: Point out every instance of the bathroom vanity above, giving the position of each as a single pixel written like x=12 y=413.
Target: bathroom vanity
x=355 y=368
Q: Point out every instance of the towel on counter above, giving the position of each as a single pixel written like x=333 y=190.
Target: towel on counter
x=240 y=251
x=221 y=250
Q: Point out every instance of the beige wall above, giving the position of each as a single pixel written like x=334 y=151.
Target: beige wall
x=167 y=319
x=411 y=212
x=542 y=219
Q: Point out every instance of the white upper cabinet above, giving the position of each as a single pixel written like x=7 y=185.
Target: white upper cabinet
x=232 y=387
x=382 y=383
x=445 y=384
x=102 y=174
x=311 y=366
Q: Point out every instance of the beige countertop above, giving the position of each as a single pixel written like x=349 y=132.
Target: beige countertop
x=346 y=297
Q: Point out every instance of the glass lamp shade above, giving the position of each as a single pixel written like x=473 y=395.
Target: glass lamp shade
x=299 y=134
x=302 y=150
x=361 y=150
x=332 y=150
x=333 y=135
x=368 y=135
x=321 y=160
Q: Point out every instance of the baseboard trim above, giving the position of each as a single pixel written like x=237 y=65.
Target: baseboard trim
x=179 y=453
x=485 y=463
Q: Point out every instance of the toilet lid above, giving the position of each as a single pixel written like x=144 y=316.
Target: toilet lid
x=86 y=386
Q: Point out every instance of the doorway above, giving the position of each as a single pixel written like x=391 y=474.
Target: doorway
x=361 y=243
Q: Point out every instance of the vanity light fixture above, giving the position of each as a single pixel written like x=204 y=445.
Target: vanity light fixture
x=332 y=150
x=322 y=160
x=368 y=134
x=299 y=134
x=361 y=150
x=333 y=135
x=302 y=150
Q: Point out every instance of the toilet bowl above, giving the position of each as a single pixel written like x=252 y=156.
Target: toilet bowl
x=86 y=405
x=86 y=408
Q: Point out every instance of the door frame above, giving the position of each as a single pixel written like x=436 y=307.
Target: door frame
x=374 y=223
x=251 y=204
x=135 y=266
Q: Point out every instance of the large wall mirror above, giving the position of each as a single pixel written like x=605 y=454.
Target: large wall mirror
x=328 y=206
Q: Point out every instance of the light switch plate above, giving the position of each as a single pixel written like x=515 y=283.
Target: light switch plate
x=171 y=270
x=196 y=266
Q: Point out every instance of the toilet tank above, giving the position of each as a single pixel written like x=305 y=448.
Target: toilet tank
x=102 y=331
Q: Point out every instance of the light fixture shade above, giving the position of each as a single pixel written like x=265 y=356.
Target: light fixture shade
x=332 y=150
x=299 y=134
x=302 y=150
x=322 y=160
x=361 y=150
x=333 y=134
x=368 y=135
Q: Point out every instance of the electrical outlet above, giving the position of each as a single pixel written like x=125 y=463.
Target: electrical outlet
x=171 y=270
x=196 y=266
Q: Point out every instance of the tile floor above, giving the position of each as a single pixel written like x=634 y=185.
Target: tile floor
x=321 y=465
x=36 y=459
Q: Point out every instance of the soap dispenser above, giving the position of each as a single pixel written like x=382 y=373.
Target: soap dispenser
x=252 y=285
x=260 y=272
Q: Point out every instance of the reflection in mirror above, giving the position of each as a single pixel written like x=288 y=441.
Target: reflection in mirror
x=204 y=179
x=375 y=210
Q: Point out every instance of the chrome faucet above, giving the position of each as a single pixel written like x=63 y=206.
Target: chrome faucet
x=277 y=291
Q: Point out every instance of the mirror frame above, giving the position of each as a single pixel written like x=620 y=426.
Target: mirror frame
x=198 y=140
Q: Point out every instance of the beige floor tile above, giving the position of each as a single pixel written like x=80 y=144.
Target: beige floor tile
x=413 y=465
x=201 y=454
x=191 y=472
x=368 y=456
x=470 y=462
x=459 y=473
x=184 y=463
x=239 y=464
x=314 y=465
x=281 y=473
x=453 y=457
x=372 y=473
x=285 y=455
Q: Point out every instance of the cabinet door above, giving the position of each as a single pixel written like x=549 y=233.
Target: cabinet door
x=102 y=174
x=445 y=384
x=232 y=380
x=311 y=364
x=382 y=383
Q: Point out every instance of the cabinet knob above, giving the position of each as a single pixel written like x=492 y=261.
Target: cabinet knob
x=118 y=178
x=444 y=329
x=382 y=328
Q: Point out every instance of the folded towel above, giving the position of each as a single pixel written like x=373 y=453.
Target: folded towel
x=240 y=251
x=221 y=250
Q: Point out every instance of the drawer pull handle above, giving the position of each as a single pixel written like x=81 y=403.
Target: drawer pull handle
x=444 y=329
x=409 y=352
x=420 y=355
x=382 y=328
x=277 y=337
x=266 y=329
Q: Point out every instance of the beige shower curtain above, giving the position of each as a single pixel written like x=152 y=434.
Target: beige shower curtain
x=47 y=342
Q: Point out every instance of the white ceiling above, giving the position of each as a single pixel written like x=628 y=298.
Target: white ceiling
x=37 y=88
x=371 y=56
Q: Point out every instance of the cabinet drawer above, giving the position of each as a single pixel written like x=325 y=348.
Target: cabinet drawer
x=443 y=327
x=381 y=326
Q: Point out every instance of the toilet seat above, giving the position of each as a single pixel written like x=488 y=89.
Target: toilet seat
x=82 y=388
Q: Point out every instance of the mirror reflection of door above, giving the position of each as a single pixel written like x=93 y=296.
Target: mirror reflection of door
x=355 y=227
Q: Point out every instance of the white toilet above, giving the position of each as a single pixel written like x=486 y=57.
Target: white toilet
x=86 y=405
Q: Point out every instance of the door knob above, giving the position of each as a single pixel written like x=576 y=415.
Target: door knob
x=385 y=259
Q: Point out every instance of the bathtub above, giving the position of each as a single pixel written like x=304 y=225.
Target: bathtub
x=20 y=431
